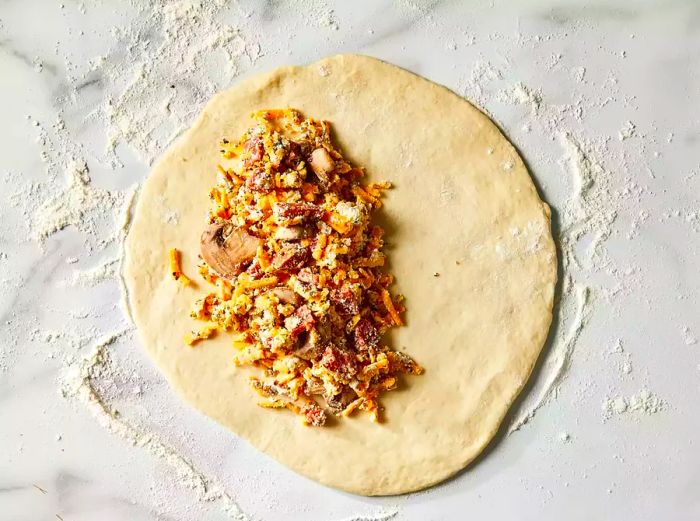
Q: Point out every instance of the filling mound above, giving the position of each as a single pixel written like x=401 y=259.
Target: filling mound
x=298 y=270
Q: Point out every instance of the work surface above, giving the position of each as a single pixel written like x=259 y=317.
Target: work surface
x=599 y=97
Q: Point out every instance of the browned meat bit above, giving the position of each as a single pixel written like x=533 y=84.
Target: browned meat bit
x=307 y=277
x=366 y=335
x=291 y=256
x=314 y=415
x=322 y=165
x=308 y=346
x=254 y=270
x=228 y=249
x=291 y=233
x=339 y=361
x=339 y=402
x=293 y=156
x=256 y=148
x=285 y=295
x=295 y=213
x=260 y=181
x=301 y=320
x=347 y=299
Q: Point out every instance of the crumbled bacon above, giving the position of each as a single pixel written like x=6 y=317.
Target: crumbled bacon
x=254 y=270
x=297 y=211
x=339 y=361
x=301 y=320
x=308 y=277
x=291 y=257
x=256 y=148
x=366 y=335
x=260 y=181
x=347 y=299
x=314 y=415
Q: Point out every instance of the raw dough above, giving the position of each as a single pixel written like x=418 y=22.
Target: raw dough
x=463 y=207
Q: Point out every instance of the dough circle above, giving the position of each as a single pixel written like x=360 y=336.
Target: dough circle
x=463 y=206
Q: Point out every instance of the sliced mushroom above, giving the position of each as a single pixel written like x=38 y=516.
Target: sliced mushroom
x=322 y=164
x=291 y=233
x=228 y=249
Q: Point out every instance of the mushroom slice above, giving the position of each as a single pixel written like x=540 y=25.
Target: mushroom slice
x=228 y=249
x=322 y=164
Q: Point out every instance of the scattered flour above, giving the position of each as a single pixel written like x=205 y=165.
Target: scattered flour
x=643 y=402
x=520 y=94
x=381 y=516
x=627 y=131
x=95 y=276
x=77 y=205
x=79 y=384
x=688 y=336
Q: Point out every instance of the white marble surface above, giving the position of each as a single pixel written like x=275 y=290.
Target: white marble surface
x=642 y=64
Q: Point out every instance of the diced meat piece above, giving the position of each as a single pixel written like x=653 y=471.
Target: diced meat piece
x=309 y=345
x=228 y=249
x=255 y=271
x=339 y=402
x=291 y=233
x=256 y=148
x=285 y=295
x=366 y=335
x=307 y=276
x=297 y=212
x=293 y=155
x=301 y=320
x=291 y=256
x=347 y=299
x=322 y=164
x=260 y=181
x=339 y=361
x=314 y=415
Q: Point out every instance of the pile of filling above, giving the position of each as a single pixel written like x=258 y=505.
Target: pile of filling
x=298 y=269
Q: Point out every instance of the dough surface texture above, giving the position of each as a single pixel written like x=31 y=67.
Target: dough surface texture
x=463 y=206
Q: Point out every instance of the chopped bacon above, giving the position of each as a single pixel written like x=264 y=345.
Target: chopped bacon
x=294 y=153
x=309 y=348
x=366 y=335
x=314 y=415
x=256 y=148
x=260 y=181
x=301 y=320
x=290 y=257
x=297 y=211
x=254 y=270
x=347 y=299
x=339 y=361
x=307 y=277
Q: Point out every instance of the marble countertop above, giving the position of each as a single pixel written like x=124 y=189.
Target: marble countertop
x=601 y=99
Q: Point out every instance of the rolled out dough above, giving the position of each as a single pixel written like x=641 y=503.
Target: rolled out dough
x=463 y=207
